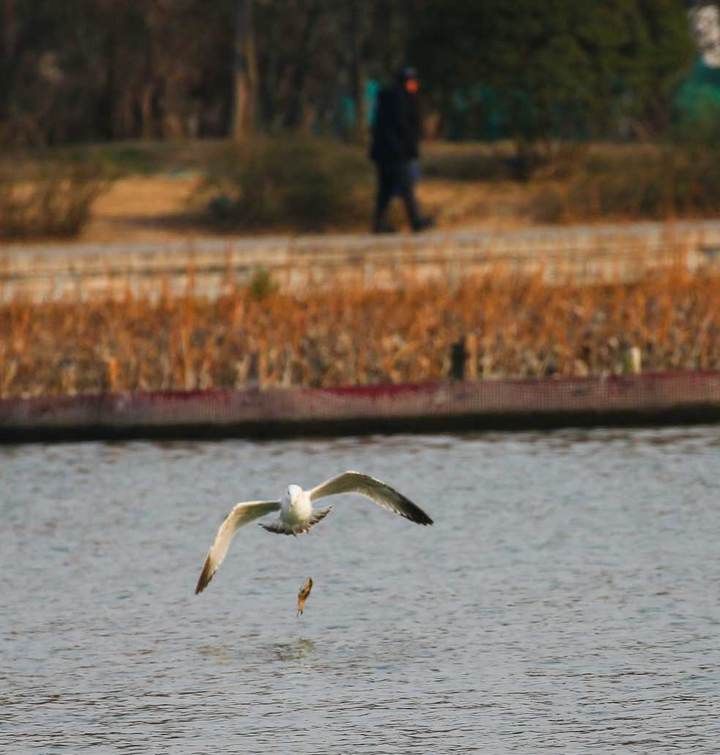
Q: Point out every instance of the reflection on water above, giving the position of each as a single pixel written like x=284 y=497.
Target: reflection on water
x=293 y=651
x=566 y=598
x=220 y=653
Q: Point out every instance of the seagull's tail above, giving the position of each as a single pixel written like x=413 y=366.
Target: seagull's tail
x=318 y=515
x=280 y=528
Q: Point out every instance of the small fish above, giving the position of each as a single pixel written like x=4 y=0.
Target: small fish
x=303 y=595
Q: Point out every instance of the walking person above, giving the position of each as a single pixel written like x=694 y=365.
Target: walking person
x=395 y=150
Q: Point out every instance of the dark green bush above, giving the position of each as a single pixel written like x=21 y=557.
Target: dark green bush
x=288 y=182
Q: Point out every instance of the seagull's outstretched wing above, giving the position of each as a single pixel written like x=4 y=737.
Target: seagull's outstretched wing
x=375 y=490
x=242 y=513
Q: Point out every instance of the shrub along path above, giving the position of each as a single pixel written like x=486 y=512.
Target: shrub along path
x=580 y=253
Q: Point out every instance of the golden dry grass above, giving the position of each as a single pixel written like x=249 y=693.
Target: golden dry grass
x=522 y=327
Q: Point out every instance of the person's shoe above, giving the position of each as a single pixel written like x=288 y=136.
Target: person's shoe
x=422 y=224
x=383 y=227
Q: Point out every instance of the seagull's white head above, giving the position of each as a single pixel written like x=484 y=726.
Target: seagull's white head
x=293 y=492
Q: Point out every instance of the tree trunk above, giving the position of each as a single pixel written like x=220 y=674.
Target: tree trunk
x=9 y=29
x=244 y=71
x=145 y=107
x=8 y=40
x=107 y=102
x=356 y=74
x=296 y=105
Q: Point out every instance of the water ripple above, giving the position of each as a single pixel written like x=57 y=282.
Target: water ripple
x=565 y=600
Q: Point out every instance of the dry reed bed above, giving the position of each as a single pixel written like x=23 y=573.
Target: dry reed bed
x=522 y=328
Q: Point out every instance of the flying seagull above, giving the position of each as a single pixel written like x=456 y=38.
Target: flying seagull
x=297 y=514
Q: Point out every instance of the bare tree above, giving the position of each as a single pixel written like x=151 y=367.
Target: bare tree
x=244 y=71
x=356 y=69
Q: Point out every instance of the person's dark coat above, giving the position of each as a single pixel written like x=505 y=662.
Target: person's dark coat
x=396 y=130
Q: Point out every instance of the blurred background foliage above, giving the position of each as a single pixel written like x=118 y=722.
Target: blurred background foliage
x=529 y=70
x=261 y=95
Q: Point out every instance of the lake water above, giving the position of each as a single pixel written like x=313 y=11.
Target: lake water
x=567 y=598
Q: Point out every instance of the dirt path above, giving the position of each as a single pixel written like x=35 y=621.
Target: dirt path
x=142 y=208
x=160 y=208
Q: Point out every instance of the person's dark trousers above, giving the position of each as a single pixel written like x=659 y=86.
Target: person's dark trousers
x=395 y=179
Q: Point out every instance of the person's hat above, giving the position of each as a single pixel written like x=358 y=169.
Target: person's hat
x=407 y=72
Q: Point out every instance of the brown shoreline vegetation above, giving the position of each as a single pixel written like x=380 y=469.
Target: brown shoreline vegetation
x=262 y=336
